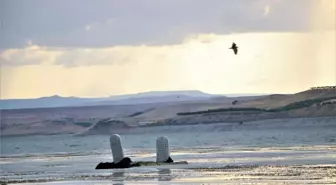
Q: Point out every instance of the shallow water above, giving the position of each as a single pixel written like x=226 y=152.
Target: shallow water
x=264 y=155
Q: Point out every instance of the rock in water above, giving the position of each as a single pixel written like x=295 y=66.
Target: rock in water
x=124 y=163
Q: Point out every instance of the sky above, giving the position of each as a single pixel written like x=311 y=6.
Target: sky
x=100 y=48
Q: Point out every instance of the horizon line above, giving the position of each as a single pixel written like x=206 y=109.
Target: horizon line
x=144 y=92
x=176 y=91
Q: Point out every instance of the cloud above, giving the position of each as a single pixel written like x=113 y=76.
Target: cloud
x=267 y=10
x=29 y=42
x=87 y=28
x=272 y=62
x=31 y=55
x=37 y=55
x=66 y=23
x=207 y=45
x=94 y=57
x=323 y=15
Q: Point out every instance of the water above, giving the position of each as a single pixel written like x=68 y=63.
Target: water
x=300 y=152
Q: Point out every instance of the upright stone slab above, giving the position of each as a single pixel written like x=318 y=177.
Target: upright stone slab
x=116 y=147
x=162 y=149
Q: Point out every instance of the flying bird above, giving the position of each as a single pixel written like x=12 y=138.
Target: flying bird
x=234 y=48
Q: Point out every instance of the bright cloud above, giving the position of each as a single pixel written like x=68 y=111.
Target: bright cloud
x=267 y=10
x=278 y=62
x=87 y=27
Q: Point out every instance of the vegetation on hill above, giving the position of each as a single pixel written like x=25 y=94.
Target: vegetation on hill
x=220 y=110
x=291 y=106
x=83 y=124
x=140 y=112
x=302 y=104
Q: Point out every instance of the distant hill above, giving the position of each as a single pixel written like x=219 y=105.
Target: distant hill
x=44 y=102
x=140 y=98
x=147 y=99
x=123 y=113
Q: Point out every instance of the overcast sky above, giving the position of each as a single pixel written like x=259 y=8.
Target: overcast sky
x=87 y=23
x=105 y=47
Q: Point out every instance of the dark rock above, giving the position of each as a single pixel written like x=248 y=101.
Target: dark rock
x=124 y=163
x=169 y=160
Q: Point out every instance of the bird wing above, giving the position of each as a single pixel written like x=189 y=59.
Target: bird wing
x=235 y=50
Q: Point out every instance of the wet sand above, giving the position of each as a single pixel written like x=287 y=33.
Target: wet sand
x=228 y=175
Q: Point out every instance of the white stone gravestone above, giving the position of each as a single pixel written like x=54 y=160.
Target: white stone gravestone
x=162 y=149
x=116 y=147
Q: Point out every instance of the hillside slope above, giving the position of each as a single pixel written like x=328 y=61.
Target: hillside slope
x=171 y=110
x=128 y=99
x=328 y=110
x=278 y=100
x=87 y=119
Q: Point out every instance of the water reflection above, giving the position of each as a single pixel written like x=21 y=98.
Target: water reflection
x=164 y=175
x=118 y=176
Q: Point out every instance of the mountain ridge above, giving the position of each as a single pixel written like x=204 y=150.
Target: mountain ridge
x=142 y=97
